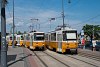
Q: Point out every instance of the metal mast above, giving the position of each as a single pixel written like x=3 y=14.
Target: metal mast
x=13 y=26
x=63 y=13
x=3 y=35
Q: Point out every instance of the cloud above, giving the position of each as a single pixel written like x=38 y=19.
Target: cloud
x=25 y=16
x=48 y=14
x=19 y=24
x=9 y=20
x=44 y=19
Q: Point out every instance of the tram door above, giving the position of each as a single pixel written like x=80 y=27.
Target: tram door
x=49 y=40
x=24 y=40
x=31 y=41
x=18 y=40
x=59 y=39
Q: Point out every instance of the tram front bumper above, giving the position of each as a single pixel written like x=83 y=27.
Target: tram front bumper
x=31 y=47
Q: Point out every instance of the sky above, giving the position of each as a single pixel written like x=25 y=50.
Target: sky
x=77 y=14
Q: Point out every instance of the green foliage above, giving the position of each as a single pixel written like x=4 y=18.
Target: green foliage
x=19 y=32
x=88 y=30
x=24 y=32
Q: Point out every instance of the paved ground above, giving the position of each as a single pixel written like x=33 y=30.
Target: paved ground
x=15 y=57
x=20 y=57
x=23 y=57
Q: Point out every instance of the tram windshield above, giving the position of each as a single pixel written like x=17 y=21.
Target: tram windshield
x=38 y=36
x=69 y=35
x=10 y=38
x=22 y=38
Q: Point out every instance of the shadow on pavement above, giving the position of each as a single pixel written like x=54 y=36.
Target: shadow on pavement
x=21 y=59
x=11 y=58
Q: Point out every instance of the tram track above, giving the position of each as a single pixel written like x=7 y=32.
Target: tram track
x=83 y=61
x=40 y=59
x=79 y=59
x=57 y=59
x=89 y=55
x=51 y=57
x=61 y=61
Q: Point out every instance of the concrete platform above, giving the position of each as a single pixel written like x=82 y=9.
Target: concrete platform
x=20 y=57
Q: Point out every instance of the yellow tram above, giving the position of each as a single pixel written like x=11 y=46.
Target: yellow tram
x=35 y=40
x=9 y=39
x=62 y=40
x=20 y=40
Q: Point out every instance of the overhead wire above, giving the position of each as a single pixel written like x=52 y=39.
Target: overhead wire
x=9 y=11
x=86 y=20
x=82 y=21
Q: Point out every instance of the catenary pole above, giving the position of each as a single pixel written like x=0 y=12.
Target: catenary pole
x=63 y=12
x=63 y=16
x=13 y=26
x=3 y=36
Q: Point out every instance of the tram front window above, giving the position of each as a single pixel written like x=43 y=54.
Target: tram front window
x=22 y=38
x=69 y=35
x=39 y=37
x=10 y=38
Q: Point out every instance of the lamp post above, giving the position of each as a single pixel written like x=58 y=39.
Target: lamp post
x=13 y=26
x=3 y=35
x=50 y=22
x=31 y=28
x=50 y=25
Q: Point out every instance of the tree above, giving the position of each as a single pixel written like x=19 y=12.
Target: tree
x=88 y=30
x=25 y=32
x=19 y=32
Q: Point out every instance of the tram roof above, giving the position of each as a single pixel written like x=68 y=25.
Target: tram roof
x=19 y=35
x=38 y=32
x=12 y=35
x=35 y=32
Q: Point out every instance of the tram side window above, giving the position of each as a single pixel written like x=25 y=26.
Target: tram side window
x=53 y=36
x=46 y=37
x=64 y=36
x=27 y=38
